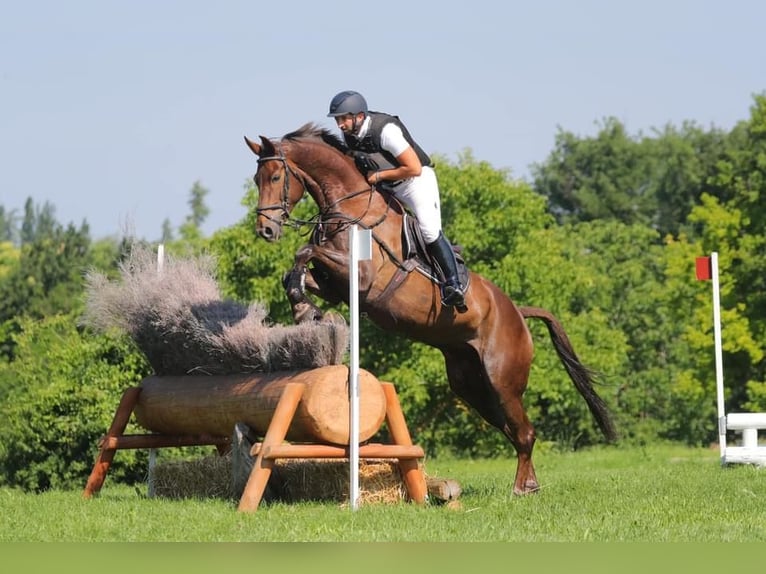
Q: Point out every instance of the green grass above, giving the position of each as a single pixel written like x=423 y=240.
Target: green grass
x=662 y=493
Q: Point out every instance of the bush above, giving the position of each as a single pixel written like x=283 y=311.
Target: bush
x=60 y=394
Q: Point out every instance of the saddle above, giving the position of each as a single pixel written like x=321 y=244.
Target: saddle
x=415 y=258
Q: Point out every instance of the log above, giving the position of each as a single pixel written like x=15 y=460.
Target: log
x=442 y=490
x=215 y=404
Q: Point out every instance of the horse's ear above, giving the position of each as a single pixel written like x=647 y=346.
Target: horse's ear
x=253 y=146
x=267 y=147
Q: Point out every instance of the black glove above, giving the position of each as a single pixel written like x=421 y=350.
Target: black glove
x=364 y=163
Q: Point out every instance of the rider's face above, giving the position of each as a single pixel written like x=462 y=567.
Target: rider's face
x=346 y=122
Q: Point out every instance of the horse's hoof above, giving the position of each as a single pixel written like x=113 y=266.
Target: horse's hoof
x=306 y=313
x=530 y=487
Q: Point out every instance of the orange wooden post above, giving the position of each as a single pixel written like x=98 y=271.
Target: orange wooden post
x=397 y=426
x=106 y=452
x=275 y=435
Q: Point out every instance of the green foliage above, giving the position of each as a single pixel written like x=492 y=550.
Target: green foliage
x=8 y=228
x=650 y=181
x=474 y=195
x=9 y=259
x=58 y=398
x=48 y=278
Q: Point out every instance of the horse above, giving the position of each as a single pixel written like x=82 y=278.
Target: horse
x=487 y=345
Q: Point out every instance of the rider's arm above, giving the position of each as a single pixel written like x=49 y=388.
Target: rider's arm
x=393 y=141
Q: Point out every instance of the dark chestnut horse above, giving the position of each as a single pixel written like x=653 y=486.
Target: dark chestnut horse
x=487 y=347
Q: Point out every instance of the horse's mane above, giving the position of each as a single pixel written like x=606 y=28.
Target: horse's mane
x=313 y=131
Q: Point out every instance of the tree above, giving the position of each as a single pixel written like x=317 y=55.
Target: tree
x=38 y=221
x=191 y=238
x=190 y=229
x=47 y=278
x=167 y=232
x=733 y=224
x=8 y=226
x=653 y=181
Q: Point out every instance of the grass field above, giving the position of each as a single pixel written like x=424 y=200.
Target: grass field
x=662 y=493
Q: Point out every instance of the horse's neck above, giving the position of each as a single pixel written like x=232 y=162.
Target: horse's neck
x=338 y=188
x=329 y=179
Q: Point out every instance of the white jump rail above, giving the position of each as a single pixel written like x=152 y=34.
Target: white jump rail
x=749 y=452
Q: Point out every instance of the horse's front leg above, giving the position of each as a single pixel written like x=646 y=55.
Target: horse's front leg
x=294 y=282
x=329 y=280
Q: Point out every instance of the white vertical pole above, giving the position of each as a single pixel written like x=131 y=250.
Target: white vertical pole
x=360 y=249
x=718 y=356
x=353 y=386
x=153 y=451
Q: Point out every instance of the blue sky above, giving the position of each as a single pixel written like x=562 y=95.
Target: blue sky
x=112 y=110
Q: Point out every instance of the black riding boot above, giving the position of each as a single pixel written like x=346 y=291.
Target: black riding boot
x=442 y=252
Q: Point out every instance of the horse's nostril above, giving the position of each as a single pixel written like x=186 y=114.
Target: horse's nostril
x=267 y=233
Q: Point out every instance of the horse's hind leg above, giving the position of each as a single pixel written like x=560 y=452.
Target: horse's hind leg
x=521 y=433
x=498 y=399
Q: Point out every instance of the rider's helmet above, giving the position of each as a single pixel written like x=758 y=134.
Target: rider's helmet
x=348 y=102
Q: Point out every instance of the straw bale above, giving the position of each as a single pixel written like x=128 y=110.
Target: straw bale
x=292 y=480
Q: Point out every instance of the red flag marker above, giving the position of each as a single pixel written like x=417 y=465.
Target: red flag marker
x=704 y=269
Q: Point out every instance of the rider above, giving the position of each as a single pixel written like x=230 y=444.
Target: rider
x=409 y=173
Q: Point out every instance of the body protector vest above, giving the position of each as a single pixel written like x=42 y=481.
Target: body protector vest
x=370 y=143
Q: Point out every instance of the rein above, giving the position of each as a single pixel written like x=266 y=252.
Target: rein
x=326 y=213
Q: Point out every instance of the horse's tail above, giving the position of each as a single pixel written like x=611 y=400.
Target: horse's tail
x=582 y=377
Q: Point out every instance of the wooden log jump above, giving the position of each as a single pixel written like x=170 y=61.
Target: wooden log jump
x=213 y=405
x=307 y=406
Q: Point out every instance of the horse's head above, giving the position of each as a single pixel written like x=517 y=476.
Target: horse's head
x=279 y=188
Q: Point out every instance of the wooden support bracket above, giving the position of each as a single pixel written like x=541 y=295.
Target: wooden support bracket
x=273 y=448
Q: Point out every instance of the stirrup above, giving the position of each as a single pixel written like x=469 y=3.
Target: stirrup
x=453 y=295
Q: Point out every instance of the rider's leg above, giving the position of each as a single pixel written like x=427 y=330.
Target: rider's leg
x=442 y=252
x=421 y=196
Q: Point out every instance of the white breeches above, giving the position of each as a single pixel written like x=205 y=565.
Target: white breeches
x=421 y=196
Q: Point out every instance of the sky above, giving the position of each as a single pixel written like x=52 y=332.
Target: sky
x=111 y=110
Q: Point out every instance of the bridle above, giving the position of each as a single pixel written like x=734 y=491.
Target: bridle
x=284 y=205
x=285 y=218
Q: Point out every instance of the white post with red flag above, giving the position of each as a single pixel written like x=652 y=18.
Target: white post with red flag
x=746 y=423
x=707 y=269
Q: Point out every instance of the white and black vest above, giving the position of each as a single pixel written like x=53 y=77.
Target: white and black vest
x=370 y=143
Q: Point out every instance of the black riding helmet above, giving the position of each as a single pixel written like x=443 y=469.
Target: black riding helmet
x=348 y=102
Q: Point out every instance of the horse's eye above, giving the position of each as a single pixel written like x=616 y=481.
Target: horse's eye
x=275 y=178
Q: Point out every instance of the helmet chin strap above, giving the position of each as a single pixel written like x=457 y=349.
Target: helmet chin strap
x=356 y=125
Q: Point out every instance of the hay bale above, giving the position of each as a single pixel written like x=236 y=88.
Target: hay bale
x=297 y=480
x=206 y=477
x=292 y=480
